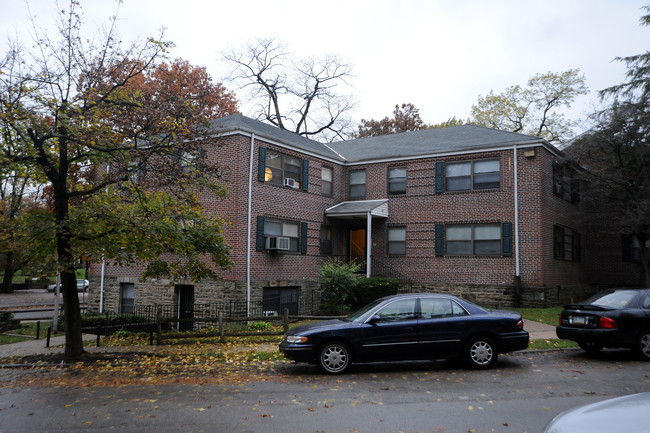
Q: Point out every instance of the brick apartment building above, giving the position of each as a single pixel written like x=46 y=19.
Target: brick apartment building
x=488 y=215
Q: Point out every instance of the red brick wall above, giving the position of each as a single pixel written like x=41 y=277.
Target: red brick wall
x=420 y=209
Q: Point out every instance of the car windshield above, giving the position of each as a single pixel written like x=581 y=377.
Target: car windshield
x=617 y=299
x=360 y=315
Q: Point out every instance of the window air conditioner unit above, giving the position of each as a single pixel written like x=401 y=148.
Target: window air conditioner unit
x=290 y=182
x=277 y=243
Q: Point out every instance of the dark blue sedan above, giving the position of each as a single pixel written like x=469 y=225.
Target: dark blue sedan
x=408 y=327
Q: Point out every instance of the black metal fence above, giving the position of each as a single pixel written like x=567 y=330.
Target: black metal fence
x=189 y=317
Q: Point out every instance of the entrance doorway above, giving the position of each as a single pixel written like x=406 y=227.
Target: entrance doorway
x=185 y=295
x=358 y=247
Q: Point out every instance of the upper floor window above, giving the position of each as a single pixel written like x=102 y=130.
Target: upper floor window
x=358 y=184
x=566 y=183
x=473 y=240
x=326 y=176
x=473 y=175
x=282 y=169
x=189 y=162
x=397 y=180
x=396 y=240
x=566 y=244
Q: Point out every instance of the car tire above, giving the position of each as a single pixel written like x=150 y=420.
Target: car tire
x=643 y=345
x=591 y=348
x=480 y=353
x=334 y=357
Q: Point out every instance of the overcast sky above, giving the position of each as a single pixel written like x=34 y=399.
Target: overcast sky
x=438 y=55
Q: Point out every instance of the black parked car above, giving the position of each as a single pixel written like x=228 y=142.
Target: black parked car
x=612 y=318
x=408 y=327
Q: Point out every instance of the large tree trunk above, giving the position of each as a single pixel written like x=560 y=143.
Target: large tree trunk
x=71 y=313
x=74 y=348
x=9 y=274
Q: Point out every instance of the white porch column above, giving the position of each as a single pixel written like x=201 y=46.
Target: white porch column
x=368 y=243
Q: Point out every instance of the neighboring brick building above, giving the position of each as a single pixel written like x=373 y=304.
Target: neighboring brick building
x=489 y=215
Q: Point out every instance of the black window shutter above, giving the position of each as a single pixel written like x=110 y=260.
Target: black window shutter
x=303 y=238
x=440 y=240
x=261 y=167
x=575 y=249
x=558 y=242
x=575 y=187
x=440 y=178
x=259 y=241
x=506 y=235
x=305 y=174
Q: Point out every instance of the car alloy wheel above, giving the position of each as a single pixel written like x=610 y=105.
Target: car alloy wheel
x=644 y=345
x=481 y=353
x=334 y=358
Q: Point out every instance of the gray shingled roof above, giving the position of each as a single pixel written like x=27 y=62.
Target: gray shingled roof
x=237 y=122
x=427 y=142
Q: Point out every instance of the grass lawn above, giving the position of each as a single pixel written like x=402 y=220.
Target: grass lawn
x=28 y=330
x=548 y=315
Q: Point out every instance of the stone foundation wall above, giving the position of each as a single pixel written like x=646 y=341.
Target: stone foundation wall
x=506 y=296
x=162 y=292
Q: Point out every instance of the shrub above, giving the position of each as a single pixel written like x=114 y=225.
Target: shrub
x=337 y=280
x=7 y=321
x=110 y=319
x=367 y=290
x=122 y=333
x=259 y=326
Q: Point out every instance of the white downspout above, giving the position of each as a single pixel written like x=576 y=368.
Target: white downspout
x=368 y=243
x=101 y=287
x=516 y=191
x=248 y=241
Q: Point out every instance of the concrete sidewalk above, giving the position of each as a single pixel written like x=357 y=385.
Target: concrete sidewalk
x=537 y=331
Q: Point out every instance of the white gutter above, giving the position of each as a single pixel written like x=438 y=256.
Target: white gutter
x=517 y=271
x=248 y=240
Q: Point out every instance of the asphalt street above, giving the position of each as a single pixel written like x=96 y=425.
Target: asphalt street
x=523 y=393
x=36 y=304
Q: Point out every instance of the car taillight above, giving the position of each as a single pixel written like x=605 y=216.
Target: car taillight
x=607 y=323
x=559 y=318
x=520 y=324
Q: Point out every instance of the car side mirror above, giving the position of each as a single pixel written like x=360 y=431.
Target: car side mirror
x=374 y=319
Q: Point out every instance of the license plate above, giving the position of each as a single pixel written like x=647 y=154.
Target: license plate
x=577 y=320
